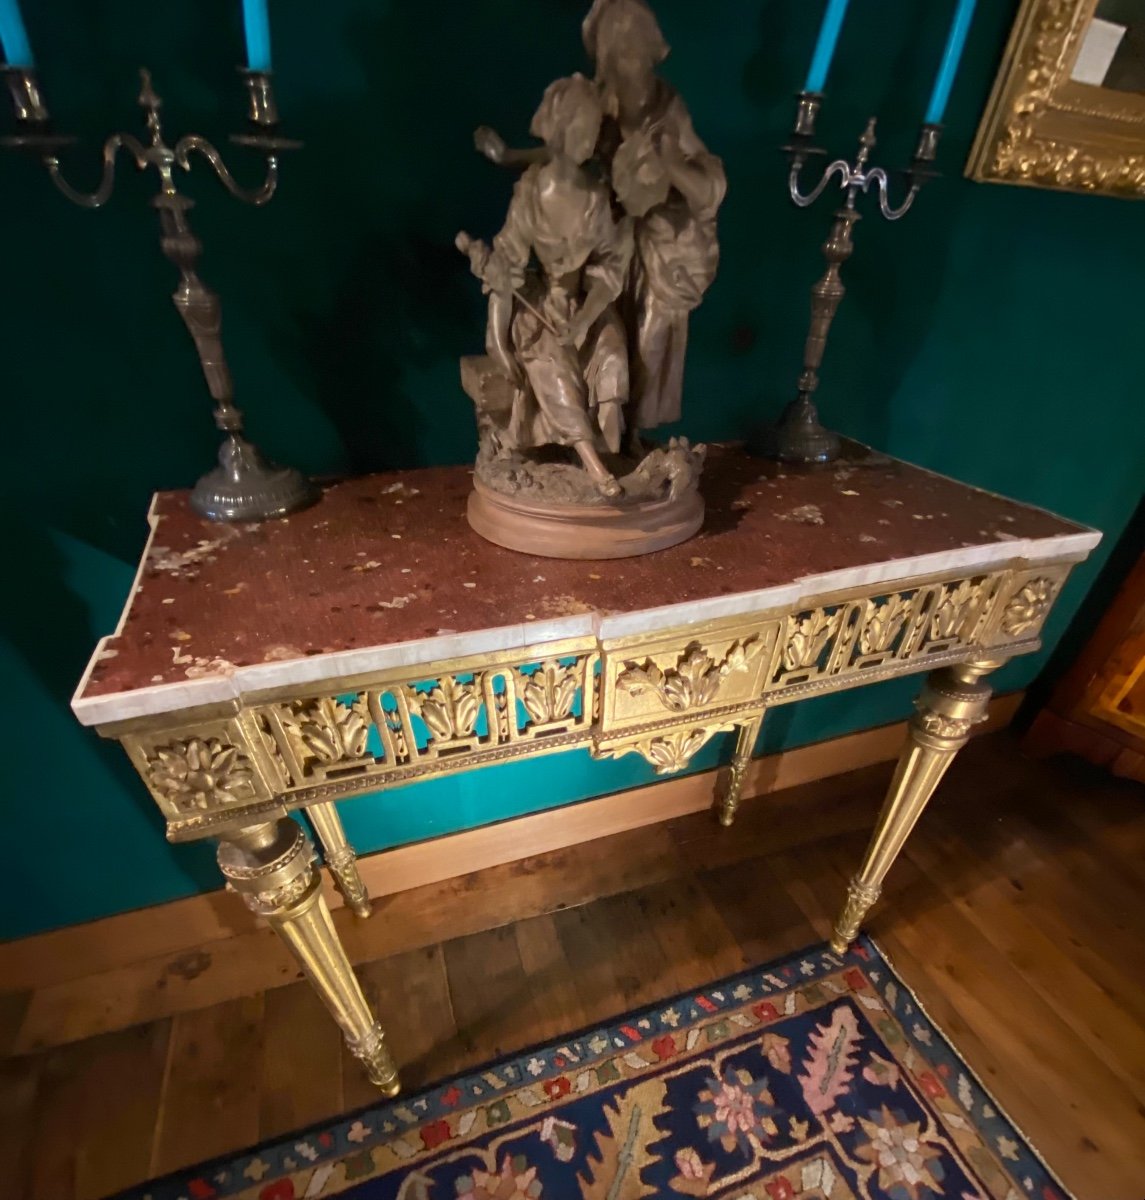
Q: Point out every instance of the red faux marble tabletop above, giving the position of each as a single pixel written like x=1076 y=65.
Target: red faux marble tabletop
x=390 y=559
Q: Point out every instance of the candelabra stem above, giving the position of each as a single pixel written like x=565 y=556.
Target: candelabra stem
x=799 y=436
x=243 y=487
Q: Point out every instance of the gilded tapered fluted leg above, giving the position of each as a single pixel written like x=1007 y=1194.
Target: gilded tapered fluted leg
x=272 y=867
x=733 y=792
x=952 y=701
x=339 y=856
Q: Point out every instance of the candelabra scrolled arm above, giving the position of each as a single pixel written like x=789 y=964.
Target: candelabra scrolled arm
x=804 y=200
x=878 y=177
x=258 y=196
x=102 y=194
x=852 y=181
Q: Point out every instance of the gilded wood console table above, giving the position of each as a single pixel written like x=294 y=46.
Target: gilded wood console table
x=374 y=640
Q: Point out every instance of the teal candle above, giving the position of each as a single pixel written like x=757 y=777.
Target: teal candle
x=951 y=56
x=13 y=36
x=825 y=46
x=256 y=24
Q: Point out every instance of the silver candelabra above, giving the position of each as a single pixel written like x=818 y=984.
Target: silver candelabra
x=799 y=436
x=244 y=486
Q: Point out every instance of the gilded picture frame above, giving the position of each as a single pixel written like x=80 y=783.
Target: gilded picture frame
x=1043 y=128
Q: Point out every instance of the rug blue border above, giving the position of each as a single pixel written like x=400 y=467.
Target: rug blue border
x=589 y=1046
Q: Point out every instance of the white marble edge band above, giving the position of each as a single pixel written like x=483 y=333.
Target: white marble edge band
x=101 y=645
x=193 y=693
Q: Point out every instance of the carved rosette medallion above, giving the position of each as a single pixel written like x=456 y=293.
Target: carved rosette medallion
x=1028 y=607
x=695 y=680
x=200 y=773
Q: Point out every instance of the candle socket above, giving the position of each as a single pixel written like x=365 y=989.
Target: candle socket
x=33 y=121
x=921 y=169
x=27 y=102
x=263 y=111
x=802 y=140
x=928 y=139
x=262 y=116
x=807 y=113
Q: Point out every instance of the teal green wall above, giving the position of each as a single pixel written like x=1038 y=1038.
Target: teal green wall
x=995 y=334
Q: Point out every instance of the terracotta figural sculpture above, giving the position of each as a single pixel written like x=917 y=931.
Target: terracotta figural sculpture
x=609 y=244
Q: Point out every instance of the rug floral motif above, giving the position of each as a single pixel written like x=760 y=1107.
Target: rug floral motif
x=816 y=1078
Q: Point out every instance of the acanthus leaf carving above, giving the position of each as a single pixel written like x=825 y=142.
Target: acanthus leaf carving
x=695 y=680
x=956 y=611
x=449 y=709
x=549 y=692
x=327 y=729
x=880 y=623
x=807 y=636
x=673 y=751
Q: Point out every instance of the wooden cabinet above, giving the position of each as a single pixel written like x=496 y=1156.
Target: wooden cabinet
x=1098 y=709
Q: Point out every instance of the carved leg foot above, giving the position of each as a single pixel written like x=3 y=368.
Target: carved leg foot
x=745 y=744
x=952 y=702
x=271 y=867
x=339 y=856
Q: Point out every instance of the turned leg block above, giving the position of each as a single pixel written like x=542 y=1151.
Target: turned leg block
x=271 y=865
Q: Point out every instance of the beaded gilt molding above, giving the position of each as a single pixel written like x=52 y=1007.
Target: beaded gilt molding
x=663 y=696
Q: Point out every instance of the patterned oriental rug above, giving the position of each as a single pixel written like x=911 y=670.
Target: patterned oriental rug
x=817 y=1078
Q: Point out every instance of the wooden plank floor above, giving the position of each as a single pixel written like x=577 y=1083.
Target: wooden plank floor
x=1016 y=913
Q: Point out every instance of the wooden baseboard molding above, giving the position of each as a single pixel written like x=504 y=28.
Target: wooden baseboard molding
x=77 y=951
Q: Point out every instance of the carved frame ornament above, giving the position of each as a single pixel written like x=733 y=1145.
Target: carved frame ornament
x=662 y=696
x=1043 y=129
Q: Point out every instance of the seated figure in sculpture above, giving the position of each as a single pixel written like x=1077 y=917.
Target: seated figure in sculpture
x=663 y=176
x=553 y=275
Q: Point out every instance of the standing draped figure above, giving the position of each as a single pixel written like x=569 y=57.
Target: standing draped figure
x=665 y=178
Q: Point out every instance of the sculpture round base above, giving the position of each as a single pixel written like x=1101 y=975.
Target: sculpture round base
x=245 y=488
x=619 y=530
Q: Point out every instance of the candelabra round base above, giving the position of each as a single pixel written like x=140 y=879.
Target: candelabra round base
x=244 y=487
x=799 y=437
